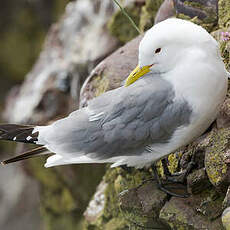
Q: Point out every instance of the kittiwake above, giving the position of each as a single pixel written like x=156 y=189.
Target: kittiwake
x=169 y=100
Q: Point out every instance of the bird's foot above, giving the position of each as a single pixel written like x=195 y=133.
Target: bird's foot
x=177 y=189
x=180 y=177
x=126 y=168
x=174 y=189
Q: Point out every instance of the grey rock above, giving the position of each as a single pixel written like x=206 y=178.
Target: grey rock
x=197 y=8
x=111 y=72
x=165 y=11
x=200 y=211
x=217 y=159
x=198 y=181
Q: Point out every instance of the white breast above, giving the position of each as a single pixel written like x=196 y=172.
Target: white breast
x=202 y=81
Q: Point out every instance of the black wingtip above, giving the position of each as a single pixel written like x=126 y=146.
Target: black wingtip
x=29 y=154
x=11 y=160
x=18 y=133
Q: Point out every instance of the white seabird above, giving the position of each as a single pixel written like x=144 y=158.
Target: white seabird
x=170 y=99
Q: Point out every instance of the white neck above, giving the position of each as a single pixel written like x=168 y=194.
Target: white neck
x=199 y=76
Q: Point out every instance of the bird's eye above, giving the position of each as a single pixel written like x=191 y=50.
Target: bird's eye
x=158 y=50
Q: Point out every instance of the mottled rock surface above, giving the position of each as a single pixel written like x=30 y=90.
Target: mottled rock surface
x=110 y=73
x=215 y=159
x=197 y=212
x=199 y=11
x=209 y=178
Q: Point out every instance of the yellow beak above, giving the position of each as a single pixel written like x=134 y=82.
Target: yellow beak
x=136 y=74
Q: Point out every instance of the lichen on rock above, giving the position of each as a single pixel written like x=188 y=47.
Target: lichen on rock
x=203 y=209
x=200 y=211
x=120 y=27
x=215 y=156
x=143 y=14
x=200 y=12
x=128 y=202
x=224 y=13
x=148 y=13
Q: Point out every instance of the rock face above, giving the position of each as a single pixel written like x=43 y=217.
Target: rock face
x=128 y=205
x=51 y=90
x=202 y=12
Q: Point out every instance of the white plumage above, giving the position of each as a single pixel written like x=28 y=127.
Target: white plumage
x=174 y=102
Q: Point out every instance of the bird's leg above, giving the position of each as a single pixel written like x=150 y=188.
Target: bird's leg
x=163 y=188
x=126 y=169
x=175 y=177
x=180 y=177
x=165 y=167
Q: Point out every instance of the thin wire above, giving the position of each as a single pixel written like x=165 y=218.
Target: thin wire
x=129 y=18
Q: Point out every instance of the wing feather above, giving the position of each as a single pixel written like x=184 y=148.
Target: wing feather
x=121 y=122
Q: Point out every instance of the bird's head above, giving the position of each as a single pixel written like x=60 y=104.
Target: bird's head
x=166 y=44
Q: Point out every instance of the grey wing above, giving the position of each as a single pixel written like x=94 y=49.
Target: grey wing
x=123 y=121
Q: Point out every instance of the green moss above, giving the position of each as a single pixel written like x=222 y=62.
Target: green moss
x=209 y=204
x=224 y=13
x=100 y=84
x=120 y=27
x=209 y=26
x=111 y=209
x=160 y=169
x=112 y=216
x=214 y=159
x=116 y=224
x=148 y=13
x=173 y=213
x=197 y=212
x=118 y=184
x=209 y=22
x=194 y=4
x=173 y=160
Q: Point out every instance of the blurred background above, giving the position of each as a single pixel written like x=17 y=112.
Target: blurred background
x=23 y=27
